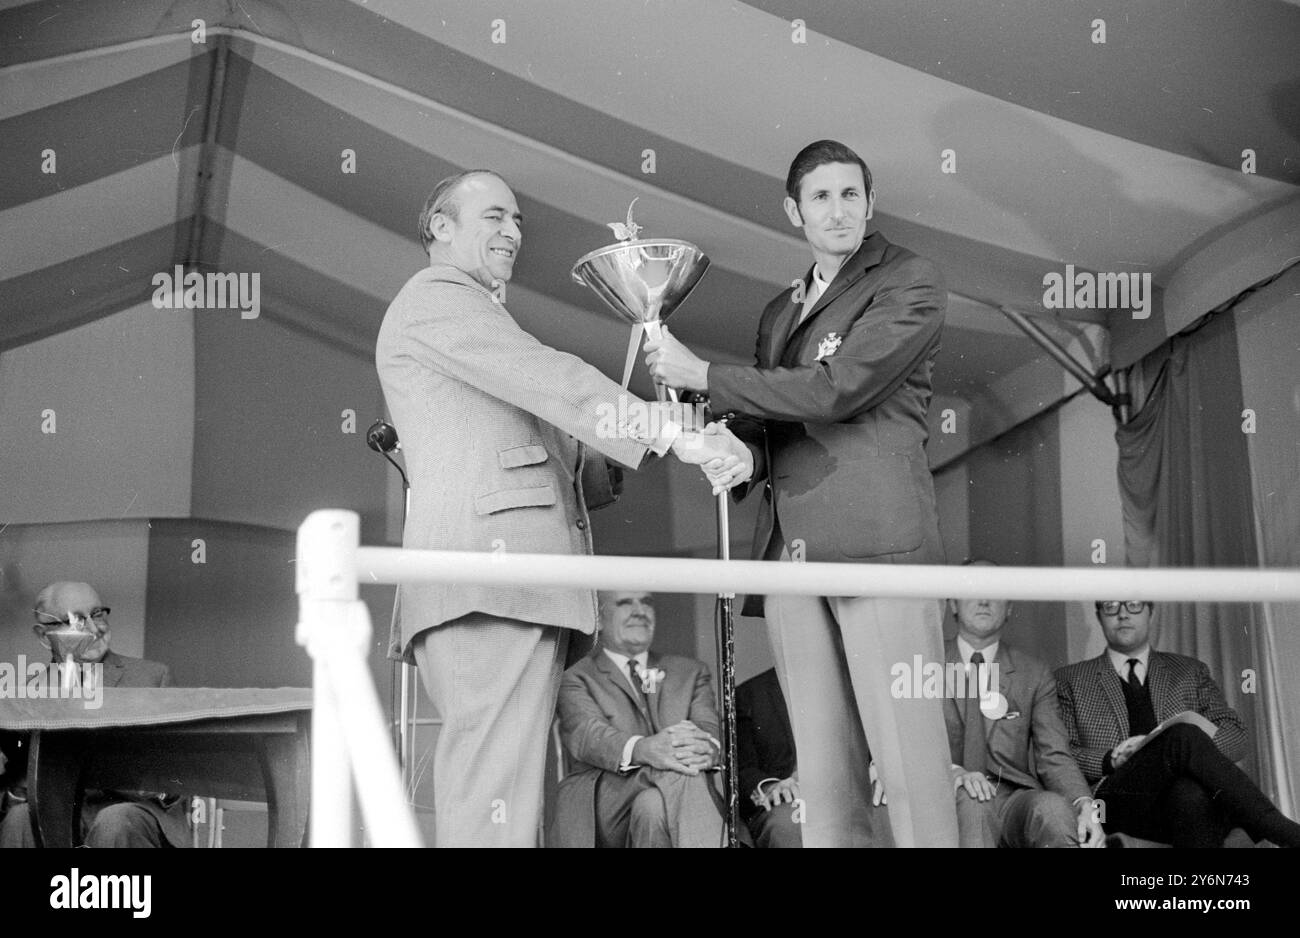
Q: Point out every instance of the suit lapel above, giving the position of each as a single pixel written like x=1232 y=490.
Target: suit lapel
x=868 y=255
x=782 y=325
x=620 y=681
x=1108 y=680
x=1158 y=684
x=114 y=669
x=953 y=656
x=652 y=700
x=1006 y=668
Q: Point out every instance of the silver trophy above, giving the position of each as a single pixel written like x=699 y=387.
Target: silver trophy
x=69 y=642
x=643 y=281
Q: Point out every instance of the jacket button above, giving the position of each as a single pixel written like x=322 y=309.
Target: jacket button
x=582 y=525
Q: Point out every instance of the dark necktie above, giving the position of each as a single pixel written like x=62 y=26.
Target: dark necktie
x=634 y=670
x=1141 y=710
x=974 y=756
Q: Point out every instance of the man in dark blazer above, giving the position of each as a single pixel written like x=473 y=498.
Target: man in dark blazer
x=1017 y=783
x=1179 y=786
x=834 y=413
x=499 y=433
x=109 y=819
x=768 y=772
x=642 y=730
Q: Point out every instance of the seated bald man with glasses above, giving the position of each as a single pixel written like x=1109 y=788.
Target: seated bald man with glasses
x=108 y=819
x=1153 y=731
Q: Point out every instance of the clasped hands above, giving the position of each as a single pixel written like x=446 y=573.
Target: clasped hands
x=724 y=459
x=682 y=747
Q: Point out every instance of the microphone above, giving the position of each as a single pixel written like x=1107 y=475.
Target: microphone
x=382 y=437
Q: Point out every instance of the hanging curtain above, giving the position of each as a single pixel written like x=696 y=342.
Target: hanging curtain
x=1184 y=476
x=1268 y=333
x=1210 y=478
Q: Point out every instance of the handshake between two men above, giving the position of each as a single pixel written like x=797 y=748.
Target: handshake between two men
x=719 y=453
x=725 y=460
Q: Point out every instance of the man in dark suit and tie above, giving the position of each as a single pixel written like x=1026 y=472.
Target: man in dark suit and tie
x=642 y=731
x=1017 y=784
x=109 y=819
x=503 y=438
x=834 y=413
x=1180 y=786
x=768 y=772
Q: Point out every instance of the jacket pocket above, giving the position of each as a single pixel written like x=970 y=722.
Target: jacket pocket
x=537 y=496
x=530 y=454
x=880 y=509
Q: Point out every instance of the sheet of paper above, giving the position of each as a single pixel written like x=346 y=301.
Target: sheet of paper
x=1186 y=716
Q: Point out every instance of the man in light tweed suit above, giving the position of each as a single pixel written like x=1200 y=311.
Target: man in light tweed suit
x=1180 y=786
x=498 y=431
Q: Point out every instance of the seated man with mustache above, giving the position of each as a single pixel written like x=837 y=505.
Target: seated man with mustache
x=643 y=731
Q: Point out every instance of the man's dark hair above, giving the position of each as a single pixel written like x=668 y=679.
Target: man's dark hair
x=819 y=153
x=442 y=200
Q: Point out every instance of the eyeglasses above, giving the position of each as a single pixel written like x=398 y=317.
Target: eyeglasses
x=99 y=614
x=1132 y=606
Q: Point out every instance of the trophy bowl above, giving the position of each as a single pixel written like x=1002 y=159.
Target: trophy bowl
x=642 y=281
x=69 y=641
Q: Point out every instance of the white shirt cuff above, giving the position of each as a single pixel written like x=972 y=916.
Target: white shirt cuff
x=668 y=435
x=626 y=765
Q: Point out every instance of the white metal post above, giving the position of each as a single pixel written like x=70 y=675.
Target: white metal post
x=327 y=585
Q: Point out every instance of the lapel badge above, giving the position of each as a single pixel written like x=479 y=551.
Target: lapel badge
x=829 y=345
x=993 y=705
x=651 y=678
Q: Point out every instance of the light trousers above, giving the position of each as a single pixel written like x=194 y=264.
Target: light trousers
x=494 y=683
x=833 y=659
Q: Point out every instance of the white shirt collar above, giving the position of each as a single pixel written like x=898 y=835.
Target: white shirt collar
x=815 y=290
x=964 y=649
x=642 y=661
x=1119 y=661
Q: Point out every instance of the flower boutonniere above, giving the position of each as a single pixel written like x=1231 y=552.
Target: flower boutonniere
x=829 y=345
x=651 y=678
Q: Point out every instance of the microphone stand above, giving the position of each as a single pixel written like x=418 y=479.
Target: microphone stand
x=382 y=438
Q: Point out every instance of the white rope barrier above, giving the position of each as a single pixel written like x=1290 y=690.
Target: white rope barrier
x=348 y=728
x=671 y=575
